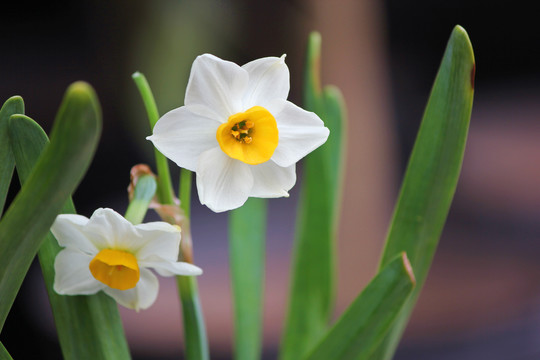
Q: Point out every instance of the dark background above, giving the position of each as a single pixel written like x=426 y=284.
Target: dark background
x=481 y=300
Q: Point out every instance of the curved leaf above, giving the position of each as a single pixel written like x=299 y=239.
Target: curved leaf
x=88 y=327
x=59 y=170
x=432 y=173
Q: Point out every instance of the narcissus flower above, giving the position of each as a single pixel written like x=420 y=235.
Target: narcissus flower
x=107 y=252
x=238 y=132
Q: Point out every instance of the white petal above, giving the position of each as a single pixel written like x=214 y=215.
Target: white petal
x=163 y=240
x=223 y=183
x=271 y=180
x=170 y=268
x=215 y=87
x=300 y=132
x=108 y=229
x=72 y=274
x=182 y=136
x=268 y=80
x=141 y=296
x=68 y=229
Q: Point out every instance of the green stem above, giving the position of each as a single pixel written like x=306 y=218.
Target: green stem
x=185 y=192
x=196 y=343
x=165 y=190
x=195 y=340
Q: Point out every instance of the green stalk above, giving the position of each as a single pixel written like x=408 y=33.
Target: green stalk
x=196 y=343
x=185 y=192
x=195 y=339
x=165 y=190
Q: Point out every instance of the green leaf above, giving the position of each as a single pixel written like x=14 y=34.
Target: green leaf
x=59 y=170
x=432 y=173
x=363 y=325
x=247 y=234
x=14 y=105
x=312 y=284
x=89 y=327
x=4 y=355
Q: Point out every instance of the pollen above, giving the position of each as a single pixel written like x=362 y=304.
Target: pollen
x=251 y=136
x=115 y=268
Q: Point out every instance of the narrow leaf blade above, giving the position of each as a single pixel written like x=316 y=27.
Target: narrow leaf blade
x=4 y=355
x=247 y=229
x=432 y=173
x=13 y=105
x=312 y=281
x=364 y=324
x=59 y=170
x=88 y=327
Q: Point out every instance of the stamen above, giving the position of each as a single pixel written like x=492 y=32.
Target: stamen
x=250 y=136
x=241 y=131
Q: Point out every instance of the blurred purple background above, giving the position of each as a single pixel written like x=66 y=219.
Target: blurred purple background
x=482 y=297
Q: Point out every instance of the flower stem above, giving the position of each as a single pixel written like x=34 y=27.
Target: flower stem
x=165 y=190
x=196 y=342
x=185 y=192
x=195 y=339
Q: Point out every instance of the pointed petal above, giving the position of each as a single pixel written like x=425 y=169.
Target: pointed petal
x=215 y=88
x=68 y=229
x=141 y=296
x=223 y=183
x=271 y=180
x=268 y=80
x=170 y=268
x=72 y=274
x=182 y=136
x=163 y=241
x=300 y=132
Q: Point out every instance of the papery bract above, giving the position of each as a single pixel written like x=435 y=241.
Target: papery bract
x=238 y=132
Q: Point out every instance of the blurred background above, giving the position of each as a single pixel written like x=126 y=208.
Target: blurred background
x=482 y=297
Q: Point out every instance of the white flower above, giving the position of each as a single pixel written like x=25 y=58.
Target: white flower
x=238 y=132
x=107 y=252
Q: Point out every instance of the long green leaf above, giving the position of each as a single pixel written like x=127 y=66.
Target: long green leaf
x=4 y=355
x=14 y=105
x=364 y=324
x=26 y=223
x=432 y=173
x=247 y=234
x=89 y=327
x=312 y=283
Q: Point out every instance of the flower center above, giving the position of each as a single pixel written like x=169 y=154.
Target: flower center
x=115 y=268
x=250 y=136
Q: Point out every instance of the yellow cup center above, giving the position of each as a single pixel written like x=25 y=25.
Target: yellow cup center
x=115 y=268
x=250 y=136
